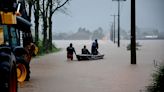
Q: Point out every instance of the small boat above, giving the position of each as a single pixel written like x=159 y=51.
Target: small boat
x=89 y=57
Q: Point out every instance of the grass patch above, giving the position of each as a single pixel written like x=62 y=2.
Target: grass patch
x=157 y=84
x=42 y=50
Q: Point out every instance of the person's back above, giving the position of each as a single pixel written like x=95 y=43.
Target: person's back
x=96 y=43
x=85 y=50
x=94 y=48
x=70 y=51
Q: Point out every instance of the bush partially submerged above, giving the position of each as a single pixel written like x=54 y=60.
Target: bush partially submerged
x=42 y=50
x=157 y=84
x=137 y=46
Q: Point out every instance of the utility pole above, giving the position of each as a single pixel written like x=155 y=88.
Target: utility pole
x=118 y=20
x=111 y=33
x=114 y=28
x=133 y=33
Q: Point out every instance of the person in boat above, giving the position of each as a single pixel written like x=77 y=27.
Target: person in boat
x=97 y=45
x=85 y=50
x=94 y=48
x=70 y=51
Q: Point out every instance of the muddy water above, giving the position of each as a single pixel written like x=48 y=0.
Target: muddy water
x=114 y=73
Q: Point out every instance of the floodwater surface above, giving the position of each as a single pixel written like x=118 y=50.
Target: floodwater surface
x=114 y=73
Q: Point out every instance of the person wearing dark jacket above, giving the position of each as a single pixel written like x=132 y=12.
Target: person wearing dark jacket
x=70 y=51
x=95 y=47
x=85 y=50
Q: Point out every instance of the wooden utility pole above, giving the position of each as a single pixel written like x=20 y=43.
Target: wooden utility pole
x=118 y=20
x=114 y=28
x=111 y=33
x=133 y=33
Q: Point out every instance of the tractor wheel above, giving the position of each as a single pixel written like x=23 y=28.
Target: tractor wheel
x=8 y=77
x=21 y=72
x=13 y=79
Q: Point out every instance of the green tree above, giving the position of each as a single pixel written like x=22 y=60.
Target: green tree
x=53 y=7
x=44 y=14
x=36 y=17
x=30 y=4
x=47 y=9
x=36 y=6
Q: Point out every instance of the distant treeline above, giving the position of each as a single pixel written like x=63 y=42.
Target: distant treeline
x=81 y=34
x=99 y=33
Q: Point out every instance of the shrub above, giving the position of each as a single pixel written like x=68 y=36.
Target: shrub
x=157 y=84
x=42 y=50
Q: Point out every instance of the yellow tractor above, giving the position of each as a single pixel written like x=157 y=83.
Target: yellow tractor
x=16 y=44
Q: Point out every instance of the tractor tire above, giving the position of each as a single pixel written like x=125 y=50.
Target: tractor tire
x=23 y=70
x=8 y=76
x=13 y=79
x=23 y=67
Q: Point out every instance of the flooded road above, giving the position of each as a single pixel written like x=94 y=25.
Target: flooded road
x=114 y=73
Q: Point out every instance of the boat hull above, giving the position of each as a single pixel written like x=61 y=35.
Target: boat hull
x=89 y=57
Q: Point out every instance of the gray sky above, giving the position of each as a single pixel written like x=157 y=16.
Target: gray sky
x=92 y=14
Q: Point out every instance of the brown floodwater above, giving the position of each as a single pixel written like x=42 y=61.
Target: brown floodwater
x=114 y=73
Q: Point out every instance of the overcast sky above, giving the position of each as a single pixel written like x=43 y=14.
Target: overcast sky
x=92 y=14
